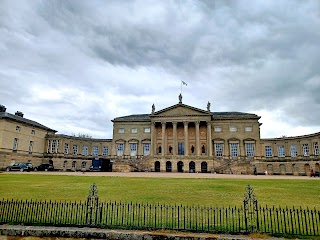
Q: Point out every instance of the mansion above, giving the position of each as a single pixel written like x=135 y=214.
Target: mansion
x=179 y=138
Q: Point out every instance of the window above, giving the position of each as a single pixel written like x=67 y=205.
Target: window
x=248 y=129
x=95 y=151
x=233 y=129
x=85 y=150
x=105 y=151
x=121 y=130
x=66 y=148
x=250 y=149
x=180 y=148
x=133 y=149
x=281 y=151
x=134 y=130
x=74 y=164
x=120 y=149
x=30 y=146
x=33 y=132
x=293 y=150
x=219 y=149
x=75 y=149
x=49 y=146
x=18 y=128
x=268 y=150
x=305 y=149
x=234 y=149
x=53 y=146
x=83 y=164
x=15 y=144
x=146 y=149
x=65 y=164
x=147 y=130
x=217 y=129
x=316 y=148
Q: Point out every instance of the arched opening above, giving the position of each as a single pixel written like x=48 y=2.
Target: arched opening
x=168 y=166
x=74 y=166
x=170 y=149
x=306 y=169
x=180 y=166
x=295 y=169
x=192 y=167
x=159 y=150
x=270 y=169
x=204 y=167
x=157 y=166
x=203 y=149
x=282 y=169
x=192 y=149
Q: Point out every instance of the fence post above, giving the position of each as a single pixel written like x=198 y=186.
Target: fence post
x=250 y=203
x=92 y=205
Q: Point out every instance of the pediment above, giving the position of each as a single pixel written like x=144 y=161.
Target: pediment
x=181 y=110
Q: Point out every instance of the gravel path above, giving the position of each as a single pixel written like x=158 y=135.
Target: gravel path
x=168 y=175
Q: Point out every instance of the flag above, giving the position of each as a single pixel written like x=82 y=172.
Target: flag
x=184 y=83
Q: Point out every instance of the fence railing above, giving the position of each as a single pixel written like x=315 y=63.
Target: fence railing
x=212 y=219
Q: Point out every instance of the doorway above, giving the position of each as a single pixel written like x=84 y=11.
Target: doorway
x=180 y=166
x=168 y=166
x=192 y=167
x=157 y=166
x=204 y=167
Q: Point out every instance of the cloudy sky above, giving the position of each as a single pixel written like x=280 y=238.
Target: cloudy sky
x=75 y=65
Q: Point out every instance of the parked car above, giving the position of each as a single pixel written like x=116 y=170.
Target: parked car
x=44 y=167
x=95 y=169
x=22 y=166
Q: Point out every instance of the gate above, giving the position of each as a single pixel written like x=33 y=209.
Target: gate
x=250 y=210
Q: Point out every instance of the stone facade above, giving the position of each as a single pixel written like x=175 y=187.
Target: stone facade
x=179 y=138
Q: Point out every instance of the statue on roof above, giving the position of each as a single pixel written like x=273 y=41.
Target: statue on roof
x=153 y=109
x=208 y=106
x=180 y=98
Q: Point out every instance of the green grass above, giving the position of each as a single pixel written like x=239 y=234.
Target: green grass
x=221 y=192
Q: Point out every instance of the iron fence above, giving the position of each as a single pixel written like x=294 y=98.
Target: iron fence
x=212 y=219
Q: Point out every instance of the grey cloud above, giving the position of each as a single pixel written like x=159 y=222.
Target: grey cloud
x=243 y=55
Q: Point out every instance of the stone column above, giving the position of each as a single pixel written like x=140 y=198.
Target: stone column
x=209 y=139
x=197 y=138
x=186 y=139
x=163 y=137
x=153 y=139
x=175 y=144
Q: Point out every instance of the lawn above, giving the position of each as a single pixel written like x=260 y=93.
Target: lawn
x=221 y=192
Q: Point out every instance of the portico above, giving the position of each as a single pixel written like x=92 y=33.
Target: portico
x=181 y=138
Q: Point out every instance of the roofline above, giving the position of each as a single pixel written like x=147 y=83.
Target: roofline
x=291 y=137
x=24 y=120
x=180 y=105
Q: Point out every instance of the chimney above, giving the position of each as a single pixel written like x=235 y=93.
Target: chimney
x=2 y=108
x=18 y=113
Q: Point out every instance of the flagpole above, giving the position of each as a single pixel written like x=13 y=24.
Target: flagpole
x=181 y=88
